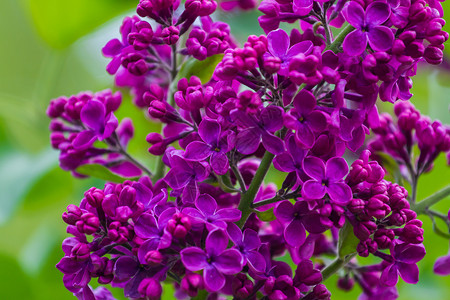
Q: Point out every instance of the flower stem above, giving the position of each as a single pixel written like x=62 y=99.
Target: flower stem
x=275 y=200
x=422 y=206
x=335 y=266
x=340 y=39
x=135 y=162
x=245 y=206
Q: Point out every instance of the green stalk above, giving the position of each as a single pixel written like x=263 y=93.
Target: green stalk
x=245 y=206
x=423 y=205
x=340 y=39
x=335 y=266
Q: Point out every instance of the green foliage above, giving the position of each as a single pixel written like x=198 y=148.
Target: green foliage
x=266 y=216
x=347 y=240
x=203 y=69
x=101 y=172
x=60 y=23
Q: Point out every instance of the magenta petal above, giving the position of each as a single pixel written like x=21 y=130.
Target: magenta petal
x=389 y=276
x=190 y=192
x=339 y=193
x=295 y=233
x=235 y=233
x=147 y=246
x=247 y=140
x=110 y=127
x=146 y=226
x=68 y=265
x=313 y=190
x=194 y=259
x=177 y=178
x=442 y=266
x=302 y=47
x=317 y=120
x=304 y=102
x=302 y=7
x=336 y=169
x=214 y=280
x=272 y=118
x=197 y=151
x=256 y=261
x=381 y=38
x=314 y=168
x=93 y=114
x=251 y=239
x=377 y=13
x=229 y=262
x=408 y=253
x=355 y=42
x=272 y=143
x=304 y=135
x=209 y=131
x=112 y=48
x=219 y=163
x=216 y=242
x=84 y=139
x=285 y=211
x=206 y=204
x=284 y=162
x=278 y=42
x=195 y=214
x=355 y=14
x=408 y=272
x=229 y=214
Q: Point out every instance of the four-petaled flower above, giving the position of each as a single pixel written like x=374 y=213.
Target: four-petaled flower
x=404 y=263
x=368 y=28
x=254 y=129
x=326 y=179
x=100 y=124
x=215 y=145
x=305 y=119
x=215 y=262
x=206 y=212
x=278 y=46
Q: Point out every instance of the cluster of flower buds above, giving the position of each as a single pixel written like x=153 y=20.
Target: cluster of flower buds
x=295 y=101
x=79 y=121
x=411 y=129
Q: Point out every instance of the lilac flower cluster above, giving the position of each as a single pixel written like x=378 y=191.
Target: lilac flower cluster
x=204 y=220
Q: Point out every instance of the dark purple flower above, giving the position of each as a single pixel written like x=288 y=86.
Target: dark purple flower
x=442 y=265
x=154 y=232
x=184 y=176
x=100 y=124
x=368 y=28
x=326 y=179
x=215 y=145
x=279 y=46
x=206 y=212
x=305 y=119
x=254 y=129
x=215 y=262
x=404 y=263
x=247 y=243
x=291 y=160
x=295 y=218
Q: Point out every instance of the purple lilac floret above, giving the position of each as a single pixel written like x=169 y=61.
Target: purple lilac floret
x=207 y=220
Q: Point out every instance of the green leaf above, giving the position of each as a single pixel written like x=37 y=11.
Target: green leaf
x=60 y=23
x=347 y=240
x=18 y=172
x=203 y=69
x=392 y=168
x=15 y=283
x=101 y=172
x=266 y=216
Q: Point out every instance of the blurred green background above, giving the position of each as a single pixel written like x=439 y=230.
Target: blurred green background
x=52 y=48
